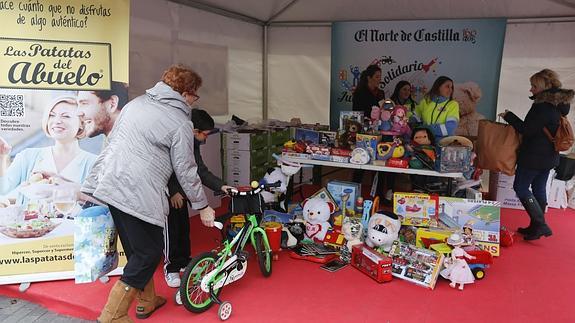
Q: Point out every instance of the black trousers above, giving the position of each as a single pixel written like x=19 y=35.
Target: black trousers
x=177 y=239
x=143 y=244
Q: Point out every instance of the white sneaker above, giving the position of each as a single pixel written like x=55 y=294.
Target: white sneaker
x=173 y=280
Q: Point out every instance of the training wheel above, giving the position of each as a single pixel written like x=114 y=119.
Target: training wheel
x=225 y=311
x=178 y=298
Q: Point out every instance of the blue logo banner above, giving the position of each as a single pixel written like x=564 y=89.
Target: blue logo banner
x=467 y=51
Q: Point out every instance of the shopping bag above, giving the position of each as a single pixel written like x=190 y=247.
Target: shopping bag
x=95 y=244
x=496 y=147
x=566 y=168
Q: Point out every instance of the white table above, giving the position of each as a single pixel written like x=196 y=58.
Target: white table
x=423 y=172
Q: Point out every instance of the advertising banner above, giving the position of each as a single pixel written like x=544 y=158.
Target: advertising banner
x=63 y=81
x=467 y=51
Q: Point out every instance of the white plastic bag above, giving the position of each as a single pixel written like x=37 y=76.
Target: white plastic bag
x=95 y=244
x=557 y=195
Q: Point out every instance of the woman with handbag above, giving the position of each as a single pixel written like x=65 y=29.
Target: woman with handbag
x=537 y=154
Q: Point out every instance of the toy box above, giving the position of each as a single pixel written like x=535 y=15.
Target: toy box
x=295 y=155
x=416 y=265
x=352 y=115
x=371 y=263
x=416 y=209
x=369 y=143
x=339 y=159
x=425 y=237
x=484 y=217
x=344 y=191
x=327 y=138
x=307 y=135
x=454 y=159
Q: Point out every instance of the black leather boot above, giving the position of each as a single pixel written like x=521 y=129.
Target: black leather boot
x=538 y=226
x=528 y=230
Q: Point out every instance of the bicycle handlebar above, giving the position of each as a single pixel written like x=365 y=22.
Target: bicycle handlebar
x=254 y=191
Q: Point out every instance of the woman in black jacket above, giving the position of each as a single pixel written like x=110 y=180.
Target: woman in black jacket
x=367 y=94
x=537 y=155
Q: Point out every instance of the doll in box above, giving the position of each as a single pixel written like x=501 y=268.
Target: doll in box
x=380 y=119
x=316 y=214
x=456 y=268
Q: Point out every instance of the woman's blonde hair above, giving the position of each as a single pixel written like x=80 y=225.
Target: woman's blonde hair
x=182 y=79
x=546 y=79
x=63 y=99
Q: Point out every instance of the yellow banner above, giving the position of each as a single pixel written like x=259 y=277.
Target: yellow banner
x=40 y=64
x=104 y=21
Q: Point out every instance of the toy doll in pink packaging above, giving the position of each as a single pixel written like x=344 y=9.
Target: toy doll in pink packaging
x=456 y=268
x=399 y=121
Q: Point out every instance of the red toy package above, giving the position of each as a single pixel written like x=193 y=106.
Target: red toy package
x=371 y=263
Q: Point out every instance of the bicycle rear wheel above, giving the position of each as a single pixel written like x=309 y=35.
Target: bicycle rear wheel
x=193 y=297
x=264 y=254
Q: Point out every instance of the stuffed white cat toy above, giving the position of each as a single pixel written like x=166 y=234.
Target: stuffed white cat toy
x=316 y=213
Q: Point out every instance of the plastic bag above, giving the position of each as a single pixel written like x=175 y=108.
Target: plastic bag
x=95 y=244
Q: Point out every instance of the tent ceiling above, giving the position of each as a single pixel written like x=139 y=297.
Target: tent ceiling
x=357 y=10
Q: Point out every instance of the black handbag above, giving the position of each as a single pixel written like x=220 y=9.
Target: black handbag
x=566 y=168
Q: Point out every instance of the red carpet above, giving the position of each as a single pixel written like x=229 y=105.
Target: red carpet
x=529 y=282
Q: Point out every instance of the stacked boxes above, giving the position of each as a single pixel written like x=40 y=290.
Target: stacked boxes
x=244 y=157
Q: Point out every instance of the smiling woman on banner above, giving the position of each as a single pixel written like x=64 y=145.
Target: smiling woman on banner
x=438 y=110
x=60 y=122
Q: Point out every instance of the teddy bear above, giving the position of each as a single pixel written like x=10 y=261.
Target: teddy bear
x=348 y=138
x=316 y=214
x=468 y=95
x=382 y=230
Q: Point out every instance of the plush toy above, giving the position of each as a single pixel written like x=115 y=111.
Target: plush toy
x=380 y=119
x=276 y=196
x=468 y=95
x=400 y=121
x=292 y=233
x=316 y=214
x=352 y=230
x=422 y=149
x=382 y=230
x=348 y=138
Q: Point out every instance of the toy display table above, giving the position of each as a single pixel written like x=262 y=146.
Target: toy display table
x=450 y=176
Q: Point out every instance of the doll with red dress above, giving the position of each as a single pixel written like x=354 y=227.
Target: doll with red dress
x=456 y=268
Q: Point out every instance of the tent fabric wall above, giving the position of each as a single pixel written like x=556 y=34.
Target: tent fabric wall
x=299 y=76
x=299 y=73
x=158 y=28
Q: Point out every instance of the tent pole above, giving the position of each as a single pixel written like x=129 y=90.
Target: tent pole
x=265 y=72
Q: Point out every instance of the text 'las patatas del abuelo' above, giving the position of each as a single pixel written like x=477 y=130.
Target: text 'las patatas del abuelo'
x=54 y=64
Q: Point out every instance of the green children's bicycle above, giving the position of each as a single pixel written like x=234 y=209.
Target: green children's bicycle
x=208 y=273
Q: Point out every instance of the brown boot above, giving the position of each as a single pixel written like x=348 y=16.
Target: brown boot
x=119 y=301
x=148 y=301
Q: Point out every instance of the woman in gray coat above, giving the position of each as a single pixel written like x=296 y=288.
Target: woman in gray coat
x=151 y=139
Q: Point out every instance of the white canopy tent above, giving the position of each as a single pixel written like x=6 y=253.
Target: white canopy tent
x=277 y=53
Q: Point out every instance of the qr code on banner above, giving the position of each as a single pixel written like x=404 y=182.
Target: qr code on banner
x=11 y=105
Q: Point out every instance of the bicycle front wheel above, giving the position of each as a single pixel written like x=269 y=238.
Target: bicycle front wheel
x=263 y=253
x=193 y=297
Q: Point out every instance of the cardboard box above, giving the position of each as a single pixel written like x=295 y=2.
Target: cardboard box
x=483 y=216
x=245 y=159
x=351 y=190
x=417 y=265
x=245 y=140
x=501 y=190
x=416 y=209
x=369 y=143
x=352 y=115
x=307 y=135
x=327 y=138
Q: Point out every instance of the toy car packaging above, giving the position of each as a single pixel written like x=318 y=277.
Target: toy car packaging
x=372 y=263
